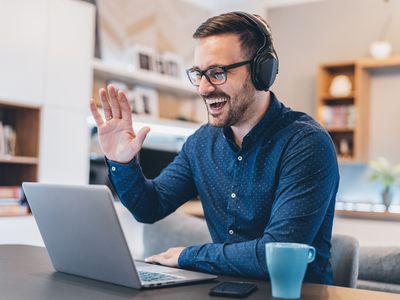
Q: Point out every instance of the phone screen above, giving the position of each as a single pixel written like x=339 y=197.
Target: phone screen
x=233 y=289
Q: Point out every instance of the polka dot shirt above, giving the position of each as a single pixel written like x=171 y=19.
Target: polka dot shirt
x=279 y=186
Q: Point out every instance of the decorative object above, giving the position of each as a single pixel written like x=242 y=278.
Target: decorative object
x=143 y=58
x=173 y=64
x=340 y=86
x=148 y=59
x=344 y=149
x=144 y=101
x=387 y=175
x=380 y=49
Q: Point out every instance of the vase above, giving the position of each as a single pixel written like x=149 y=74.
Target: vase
x=387 y=196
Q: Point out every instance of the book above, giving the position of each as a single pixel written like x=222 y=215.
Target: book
x=2 y=143
x=10 y=192
x=13 y=210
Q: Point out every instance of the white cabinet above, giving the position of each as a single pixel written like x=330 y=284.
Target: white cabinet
x=64 y=152
x=68 y=76
x=22 y=55
x=69 y=54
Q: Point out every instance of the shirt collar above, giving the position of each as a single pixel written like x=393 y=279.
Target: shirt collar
x=261 y=128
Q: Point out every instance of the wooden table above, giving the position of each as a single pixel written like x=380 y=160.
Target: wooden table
x=26 y=273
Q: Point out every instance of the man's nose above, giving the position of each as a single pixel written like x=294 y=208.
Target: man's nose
x=205 y=87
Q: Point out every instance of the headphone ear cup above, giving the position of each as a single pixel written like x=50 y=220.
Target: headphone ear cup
x=268 y=71
x=255 y=70
x=263 y=71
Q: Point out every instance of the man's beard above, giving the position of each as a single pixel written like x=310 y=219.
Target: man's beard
x=237 y=106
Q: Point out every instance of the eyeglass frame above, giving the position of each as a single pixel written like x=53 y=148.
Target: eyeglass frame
x=224 y=68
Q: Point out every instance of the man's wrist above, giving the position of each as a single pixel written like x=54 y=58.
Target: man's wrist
x=134 y=159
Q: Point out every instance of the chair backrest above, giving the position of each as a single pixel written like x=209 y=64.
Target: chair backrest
x=344 y=260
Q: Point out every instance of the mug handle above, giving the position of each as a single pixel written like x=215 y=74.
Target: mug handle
x=311 y=254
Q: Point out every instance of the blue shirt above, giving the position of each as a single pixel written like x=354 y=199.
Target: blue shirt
x=279 y=186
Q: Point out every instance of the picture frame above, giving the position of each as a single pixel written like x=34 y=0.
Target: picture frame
x=143 y=58
x=144 y=101
x=172 y=64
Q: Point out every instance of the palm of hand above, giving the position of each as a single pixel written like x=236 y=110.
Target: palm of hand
x=118 y=140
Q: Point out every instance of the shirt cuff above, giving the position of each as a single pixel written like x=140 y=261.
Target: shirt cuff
x=121 y=174
x=186 y=258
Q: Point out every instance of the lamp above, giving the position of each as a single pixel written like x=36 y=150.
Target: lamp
x=382 y=48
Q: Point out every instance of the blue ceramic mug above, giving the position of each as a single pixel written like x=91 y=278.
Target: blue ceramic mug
x=287 y=264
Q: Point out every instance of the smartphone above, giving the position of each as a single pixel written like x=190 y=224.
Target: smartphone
x=234 y=289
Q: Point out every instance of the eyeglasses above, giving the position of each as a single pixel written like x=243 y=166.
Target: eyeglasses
x=215 y=75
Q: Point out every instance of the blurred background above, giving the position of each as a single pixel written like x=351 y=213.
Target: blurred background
x=339 y=62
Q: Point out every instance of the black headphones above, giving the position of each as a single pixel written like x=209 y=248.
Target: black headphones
x=264 y=66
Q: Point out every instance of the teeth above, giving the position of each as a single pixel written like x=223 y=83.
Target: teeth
x=216 y=100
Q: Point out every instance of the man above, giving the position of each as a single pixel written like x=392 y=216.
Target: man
x=263 y=172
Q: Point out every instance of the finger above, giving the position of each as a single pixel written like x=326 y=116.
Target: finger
x=152 y=259
x=95 y=112
x=106 y=105
x=112 y=95
x=125 y=107
x=140 y=137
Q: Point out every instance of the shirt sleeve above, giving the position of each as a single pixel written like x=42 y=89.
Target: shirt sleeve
x=307 y=186
x=152 y=200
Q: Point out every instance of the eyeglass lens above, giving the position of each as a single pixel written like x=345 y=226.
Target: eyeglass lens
x=214 y=76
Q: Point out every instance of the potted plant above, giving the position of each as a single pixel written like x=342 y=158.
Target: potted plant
x=387 y=175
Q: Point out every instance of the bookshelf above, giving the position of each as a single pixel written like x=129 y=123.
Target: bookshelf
x=158 y=81
x=20 y=162
x=336 y=111
x=345 y=113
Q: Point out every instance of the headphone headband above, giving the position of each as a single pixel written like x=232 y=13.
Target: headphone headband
x=259 y=25
x=264 y=66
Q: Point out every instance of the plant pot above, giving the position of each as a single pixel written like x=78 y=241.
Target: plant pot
x=387 y=197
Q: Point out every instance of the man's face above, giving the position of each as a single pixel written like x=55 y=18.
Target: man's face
x=228 y=103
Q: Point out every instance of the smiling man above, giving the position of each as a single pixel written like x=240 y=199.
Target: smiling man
x=263 y=172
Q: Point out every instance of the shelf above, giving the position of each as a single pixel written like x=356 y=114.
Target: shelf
x=194 y=208
x=146 y=78
x=370 y=63
x=340 y=129
x=24 y=160
x=351 y=161
x=329 y=97
x=384 y=216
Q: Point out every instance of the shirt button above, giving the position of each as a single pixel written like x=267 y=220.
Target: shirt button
x=113 y=168
x=231 y=231
x=240 y=158
x=233 y=195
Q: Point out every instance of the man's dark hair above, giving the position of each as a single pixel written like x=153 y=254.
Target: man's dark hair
x=250 y=37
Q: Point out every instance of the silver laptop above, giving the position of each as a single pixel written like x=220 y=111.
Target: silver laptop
x=83 y=236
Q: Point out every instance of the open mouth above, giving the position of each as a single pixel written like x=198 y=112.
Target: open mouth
x=216 y=104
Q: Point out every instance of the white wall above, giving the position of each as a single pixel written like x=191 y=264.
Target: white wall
x=384 y=120
x=45 y=57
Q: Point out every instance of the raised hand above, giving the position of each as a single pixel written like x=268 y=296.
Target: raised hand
x=116 y=135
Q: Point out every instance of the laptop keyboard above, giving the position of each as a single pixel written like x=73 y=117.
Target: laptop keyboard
x=151 y=276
